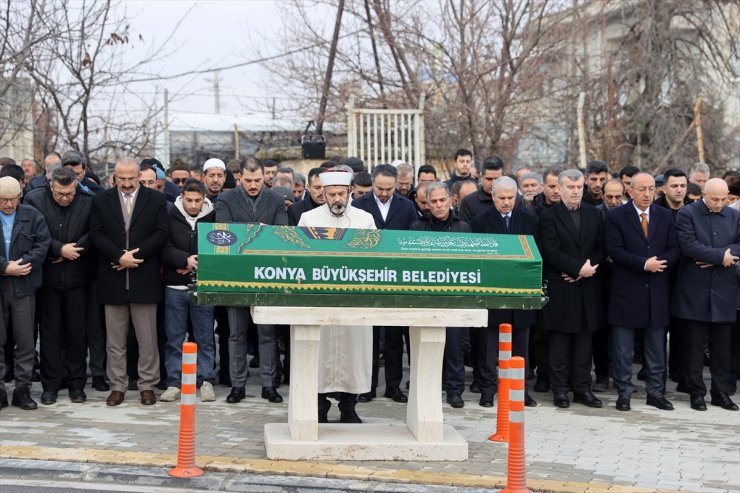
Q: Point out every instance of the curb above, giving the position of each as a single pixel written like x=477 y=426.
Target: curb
x=307 y=469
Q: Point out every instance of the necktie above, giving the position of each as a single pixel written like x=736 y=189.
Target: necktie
x=644 y=224
x=129 y=206
x=507 y=220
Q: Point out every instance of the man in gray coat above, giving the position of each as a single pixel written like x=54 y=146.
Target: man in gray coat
x=706 y=290
x=252 y=202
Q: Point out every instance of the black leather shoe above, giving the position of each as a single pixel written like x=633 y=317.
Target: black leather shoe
x=641 y=374
x=486 y=399
x=455 y=400
x=271 y=395
x=366 y=397
x=99 y=384
x=587 y=399
x=396 y=394
x=697 y=403
x=542 y=384
x=49 y=397
x=349 y=416
x=3 y=398
x=560 y=399
x=254 y=362
x=723 y=400
x=236 y=395
x=77 y=396
x=623 y=403
x=528 y=401
x=22 y=399
x=474 y=387
x=660 y=402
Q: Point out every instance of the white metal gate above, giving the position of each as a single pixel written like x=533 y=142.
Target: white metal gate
x=380 y=136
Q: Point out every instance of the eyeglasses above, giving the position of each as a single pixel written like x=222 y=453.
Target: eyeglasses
x=8 y=200
x=59 y=195
x=178 y=181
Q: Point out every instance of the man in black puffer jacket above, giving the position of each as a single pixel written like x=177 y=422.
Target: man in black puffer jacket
x=180 y=258
x=442 y=219
x=66 y=272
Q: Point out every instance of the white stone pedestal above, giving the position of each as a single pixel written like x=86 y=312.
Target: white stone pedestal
x=423 y=437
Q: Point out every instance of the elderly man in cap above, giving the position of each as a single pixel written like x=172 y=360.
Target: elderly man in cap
x=345 y=351
x=22 y=253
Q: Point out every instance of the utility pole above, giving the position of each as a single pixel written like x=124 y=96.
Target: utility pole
x=329 y=69
x=217 y=91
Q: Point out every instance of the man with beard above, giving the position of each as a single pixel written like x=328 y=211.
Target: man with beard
x=480 y=201
x=344 y=351
x=214 y=177
x=252 y=202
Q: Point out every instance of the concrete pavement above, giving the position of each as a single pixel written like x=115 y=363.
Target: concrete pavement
x=567 y=450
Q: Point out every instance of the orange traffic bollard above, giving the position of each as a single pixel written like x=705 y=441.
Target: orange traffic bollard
x=186 y=443
x=516 y=475
x=504 y=355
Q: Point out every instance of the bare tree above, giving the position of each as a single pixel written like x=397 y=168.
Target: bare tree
x=82 y=79
x=20 y=34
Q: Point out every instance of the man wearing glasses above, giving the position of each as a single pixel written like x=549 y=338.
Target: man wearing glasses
x=66 y=209
x=22 y=252
x=128 y=226
x=178 y=173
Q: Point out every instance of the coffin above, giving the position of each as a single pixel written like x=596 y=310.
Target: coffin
x=253 y=264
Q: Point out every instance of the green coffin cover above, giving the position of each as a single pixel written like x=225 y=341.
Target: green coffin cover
x=254 y=258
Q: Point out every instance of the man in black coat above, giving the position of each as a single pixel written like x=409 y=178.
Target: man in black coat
x=442 y=219
x=571 y=241
x=252 y=202
x=480 y=201
x=313 y=199
x=66 y=209
x=128 y=227
x=503 y=219
x=390 y=211
x=706 y=293
x=641 y=242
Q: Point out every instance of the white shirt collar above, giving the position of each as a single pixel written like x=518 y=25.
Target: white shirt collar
x=384 y=208
x=640 y=211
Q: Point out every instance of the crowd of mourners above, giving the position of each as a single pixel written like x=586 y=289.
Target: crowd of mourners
x=638 y=270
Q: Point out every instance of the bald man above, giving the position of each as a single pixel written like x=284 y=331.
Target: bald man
x=706 y=291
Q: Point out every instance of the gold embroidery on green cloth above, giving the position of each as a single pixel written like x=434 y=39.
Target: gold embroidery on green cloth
x=365 y=238
x=252 y=232
x=290 y=235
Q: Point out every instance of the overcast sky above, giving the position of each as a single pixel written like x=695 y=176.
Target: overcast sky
x=212 y=34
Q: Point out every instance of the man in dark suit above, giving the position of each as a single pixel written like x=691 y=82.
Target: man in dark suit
x=390 y=211
x=128 y=227
x=571 y=241
x=641 y=242
x=503 y=219
x=313 y=199
x=252 y=202
x=480 y=201
x=706 y=293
